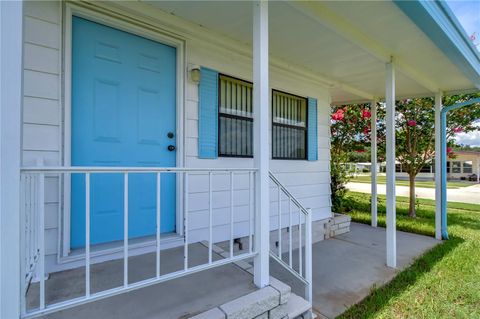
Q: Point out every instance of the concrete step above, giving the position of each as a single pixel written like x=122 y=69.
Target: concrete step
x=296 y=307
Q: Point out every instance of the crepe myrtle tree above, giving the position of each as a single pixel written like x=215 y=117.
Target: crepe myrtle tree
x=415 y=133
x=350 y=133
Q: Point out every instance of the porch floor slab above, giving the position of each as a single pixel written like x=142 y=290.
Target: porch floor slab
x=178 y=298
x=346 y=267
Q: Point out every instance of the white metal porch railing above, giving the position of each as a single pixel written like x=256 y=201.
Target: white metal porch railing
x=302 y=267
x=33 y=238
x=30 y=212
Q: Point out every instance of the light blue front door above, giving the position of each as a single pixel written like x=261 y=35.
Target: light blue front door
x=123 y=114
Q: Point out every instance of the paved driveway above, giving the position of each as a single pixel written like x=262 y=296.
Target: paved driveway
x=470 y=194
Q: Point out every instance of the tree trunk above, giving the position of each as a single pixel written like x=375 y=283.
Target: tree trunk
x=411 y=209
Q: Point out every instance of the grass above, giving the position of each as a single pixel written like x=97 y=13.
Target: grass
x=444 y=282
x=425 y=184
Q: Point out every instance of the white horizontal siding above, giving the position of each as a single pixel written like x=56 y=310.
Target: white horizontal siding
x=42 y=132
x=41 y=136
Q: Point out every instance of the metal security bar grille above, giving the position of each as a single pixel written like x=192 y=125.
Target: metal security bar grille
x=289 y=129
x=235 y=118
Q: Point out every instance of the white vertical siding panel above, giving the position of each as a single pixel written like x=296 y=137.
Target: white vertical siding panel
x=51 y=215
x=39 y=84
x=45 y=10
x=40 y=58
x=40 y=111
x=42 y=33
x=50 y=158
x=40 y=137
x=51 y=236
x=191 y=128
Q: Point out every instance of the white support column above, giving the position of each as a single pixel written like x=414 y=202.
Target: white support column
x=11 y=41
x=373 y=150
x=390 y=150
x=438 y=168
x=260 y=145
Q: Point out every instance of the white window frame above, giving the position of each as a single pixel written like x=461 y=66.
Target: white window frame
x=137 y=27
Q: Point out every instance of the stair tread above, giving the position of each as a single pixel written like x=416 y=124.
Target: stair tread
x=296 y=306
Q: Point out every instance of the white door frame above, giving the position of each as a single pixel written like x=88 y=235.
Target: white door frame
x=120 y=22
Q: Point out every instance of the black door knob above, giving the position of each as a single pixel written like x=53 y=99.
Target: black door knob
x=170 y=135
x=171 y=148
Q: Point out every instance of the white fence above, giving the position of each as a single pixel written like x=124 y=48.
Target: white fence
x=33 y=239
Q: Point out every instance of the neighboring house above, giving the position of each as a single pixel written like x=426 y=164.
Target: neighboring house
x=135 y=127
x=463 y=166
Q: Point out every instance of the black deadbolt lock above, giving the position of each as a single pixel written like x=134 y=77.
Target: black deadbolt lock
x=171 y=148
x=170 y=135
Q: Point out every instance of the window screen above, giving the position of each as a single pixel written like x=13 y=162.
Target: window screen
x=235 y=117
x=289 y=129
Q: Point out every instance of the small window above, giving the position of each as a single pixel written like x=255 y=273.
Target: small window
x=289 y=129
x=468 y=167
x=398 y=168
x=456 y=167
x=448 y=167
x=235 y=117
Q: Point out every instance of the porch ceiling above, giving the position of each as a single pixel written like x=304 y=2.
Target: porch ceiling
x=346 y=43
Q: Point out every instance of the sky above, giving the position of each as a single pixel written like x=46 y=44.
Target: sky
x=468 y=13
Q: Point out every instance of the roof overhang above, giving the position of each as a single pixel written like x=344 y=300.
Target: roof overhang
x=441 y=26
x=345 y=45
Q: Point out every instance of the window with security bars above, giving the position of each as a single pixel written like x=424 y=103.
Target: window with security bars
x=289 y=126
x=235 y=117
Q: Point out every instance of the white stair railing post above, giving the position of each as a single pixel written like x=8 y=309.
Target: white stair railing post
x=41 y=237
x=308 y=255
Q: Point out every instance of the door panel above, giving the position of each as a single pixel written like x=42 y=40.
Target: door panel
x=123 y=107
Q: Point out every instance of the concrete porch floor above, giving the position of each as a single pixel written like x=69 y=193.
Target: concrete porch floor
x=344 y=270
x=178 y=298
x=346 y=267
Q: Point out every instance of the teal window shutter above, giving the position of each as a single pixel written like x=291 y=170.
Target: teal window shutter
x=208 y=114
x=312 y=138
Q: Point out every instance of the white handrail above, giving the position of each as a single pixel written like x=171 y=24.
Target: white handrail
x=306 y=260
x=127 y=169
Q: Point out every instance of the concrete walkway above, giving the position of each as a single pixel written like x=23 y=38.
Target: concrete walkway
x=346 y=267
x=469 y=194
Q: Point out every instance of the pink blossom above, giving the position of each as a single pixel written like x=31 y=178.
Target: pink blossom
x=458 y=130
x=366 y=114
x=473 y=37
x=366 y=130
x=449 y=150
x=338 y=116
x=360 y=151
x=412 y=123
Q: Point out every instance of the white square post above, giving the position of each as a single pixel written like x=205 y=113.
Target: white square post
x=390 y=152
x=260 y=142
x=373 y=170
x=11 y=42
x=438 y=167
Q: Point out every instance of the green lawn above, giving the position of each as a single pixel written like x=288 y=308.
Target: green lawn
x=444 y=282
x=425 y=184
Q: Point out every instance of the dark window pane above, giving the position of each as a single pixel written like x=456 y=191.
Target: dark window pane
x=235 y=117
x=289 y=131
